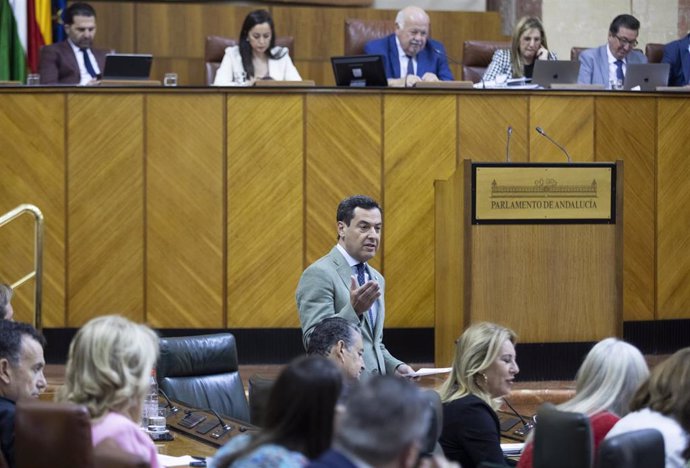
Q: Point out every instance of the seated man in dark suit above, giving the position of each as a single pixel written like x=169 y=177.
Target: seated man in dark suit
x=677 y=54
x=73 y=61
x=21 y=376
x=606 y=65
x=409 y=55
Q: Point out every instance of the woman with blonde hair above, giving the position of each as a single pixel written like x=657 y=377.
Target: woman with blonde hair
x=605 y=383
x=484 y=368
x=661 y=403
x=528 y=46
x=108 y=371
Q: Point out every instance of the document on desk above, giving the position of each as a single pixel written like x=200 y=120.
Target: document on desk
x=167 y=460
x=512 y=450
x=424 y=371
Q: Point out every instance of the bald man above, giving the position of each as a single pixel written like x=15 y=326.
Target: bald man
x=409 y=54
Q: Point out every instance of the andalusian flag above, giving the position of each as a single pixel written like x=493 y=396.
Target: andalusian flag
x=25 y=26
x=12 y=51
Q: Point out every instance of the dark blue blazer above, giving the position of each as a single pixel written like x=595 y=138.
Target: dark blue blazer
x=427 y=59
x=332 y=459
x=676 y=53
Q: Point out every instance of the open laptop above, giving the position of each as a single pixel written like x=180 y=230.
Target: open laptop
x=548 y=72
x=127 y=66
x=646 y=75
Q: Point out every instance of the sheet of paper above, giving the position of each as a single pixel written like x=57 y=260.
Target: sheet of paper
x=424 y=371
x=167 y=460
x=512 y=449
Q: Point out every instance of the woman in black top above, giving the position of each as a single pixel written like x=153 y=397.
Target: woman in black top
x=484 y=369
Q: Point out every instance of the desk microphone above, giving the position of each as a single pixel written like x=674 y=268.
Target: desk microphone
x=169 y=404
x=527 y=426
x=543 y=133
x=510 y=133
x=226 y=427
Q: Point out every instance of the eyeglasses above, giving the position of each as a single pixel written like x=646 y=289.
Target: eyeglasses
x=626 y=42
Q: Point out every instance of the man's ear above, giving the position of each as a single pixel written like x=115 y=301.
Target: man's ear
x=339 y=350
x=5 y=371
x=409 y=456
x=341 y=229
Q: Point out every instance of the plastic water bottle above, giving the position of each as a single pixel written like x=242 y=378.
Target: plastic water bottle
x=151 y=400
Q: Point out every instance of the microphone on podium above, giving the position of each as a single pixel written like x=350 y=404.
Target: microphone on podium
x=543 y=133
x=510 y=133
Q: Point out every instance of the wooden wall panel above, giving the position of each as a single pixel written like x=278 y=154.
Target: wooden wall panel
x=189 y=71
x=116 y=26
x=483 y=123
x=561 y=262
x=184 y=211
x=265 y=209
x=632 y=138
x=32 y=139
x=420 y=147
x=569 y=120
x=320 y=71
x=343 y=158
x=105 y=264
x=673 y=192
x=175 y=30
x=453 y=28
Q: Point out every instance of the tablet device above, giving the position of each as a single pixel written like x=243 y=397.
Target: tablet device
x=548 y=72
x=127 y=66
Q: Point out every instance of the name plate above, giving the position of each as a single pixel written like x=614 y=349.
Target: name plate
x=543 y=193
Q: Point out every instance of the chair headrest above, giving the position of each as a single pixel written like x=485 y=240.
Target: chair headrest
x=197 y=355
x=480 y=53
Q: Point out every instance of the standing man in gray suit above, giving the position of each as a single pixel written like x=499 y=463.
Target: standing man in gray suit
x=606 y=65
x=343 y=284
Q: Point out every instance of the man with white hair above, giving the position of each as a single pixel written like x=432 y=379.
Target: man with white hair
x=409 y=54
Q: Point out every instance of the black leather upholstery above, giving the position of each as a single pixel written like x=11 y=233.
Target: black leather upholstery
x=636 y=449
x=202 y=372
x=562 y=439
x=259 y=391
x=430 y=443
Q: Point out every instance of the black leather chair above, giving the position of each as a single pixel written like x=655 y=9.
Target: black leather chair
x=203 y=372
x=259 y=392
x=636 y=449
x=430 y=443
x=562 y=439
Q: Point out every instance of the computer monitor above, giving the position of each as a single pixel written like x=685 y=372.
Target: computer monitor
x=359 y=70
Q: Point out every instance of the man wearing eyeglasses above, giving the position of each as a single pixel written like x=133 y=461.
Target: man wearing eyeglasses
x=606 y=65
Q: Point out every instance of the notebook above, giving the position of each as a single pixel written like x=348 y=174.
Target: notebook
x=548 y=72
x=127 y=66
x=646 y=75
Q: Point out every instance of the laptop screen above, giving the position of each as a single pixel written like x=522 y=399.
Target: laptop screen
x=127 y=66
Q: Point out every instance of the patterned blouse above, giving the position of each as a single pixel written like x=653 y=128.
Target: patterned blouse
x=265 y=456
x=500 y=64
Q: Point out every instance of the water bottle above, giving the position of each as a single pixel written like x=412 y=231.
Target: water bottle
x=151 y=400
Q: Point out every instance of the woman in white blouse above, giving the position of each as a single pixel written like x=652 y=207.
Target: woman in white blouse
x=256 y=57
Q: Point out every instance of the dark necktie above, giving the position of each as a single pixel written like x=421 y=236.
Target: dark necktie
x=87 y=63
x=410 y=65
x=360 y=279
x=619 y=70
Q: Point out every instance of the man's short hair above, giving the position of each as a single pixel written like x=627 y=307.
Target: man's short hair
x=383 y=416
x=11 y=334
x=78 y=9
x=346 y=208
x=626 y=21
x=5 y=298
x=328 y=332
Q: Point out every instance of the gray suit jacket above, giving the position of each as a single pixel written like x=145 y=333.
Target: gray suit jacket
x=324 y=291
x=594 y=65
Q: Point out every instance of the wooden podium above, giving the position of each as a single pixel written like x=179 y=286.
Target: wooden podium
x=535 y=247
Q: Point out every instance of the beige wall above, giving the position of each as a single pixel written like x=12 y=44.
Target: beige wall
x=585 y=23
x=445 y=5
